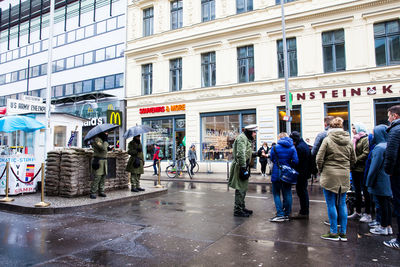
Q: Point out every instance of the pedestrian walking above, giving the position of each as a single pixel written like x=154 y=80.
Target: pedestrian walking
x=392 y=167
x=135 y=163
x=156 y=158
x=99 y=164
x=303 y=168
x=334 y=160
x=192 y=157
x=240 y=169
x=263 y=157
x=361 y=147
x=378 y=182
x=286 y=154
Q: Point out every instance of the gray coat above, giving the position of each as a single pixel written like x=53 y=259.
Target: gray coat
x=192 y=155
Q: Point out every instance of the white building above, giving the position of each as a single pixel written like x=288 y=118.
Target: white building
x=205 y=69
x=88 y=57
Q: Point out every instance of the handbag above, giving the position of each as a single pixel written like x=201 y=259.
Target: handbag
x=286 y=173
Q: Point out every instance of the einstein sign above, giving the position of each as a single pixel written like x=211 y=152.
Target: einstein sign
x=15 y=106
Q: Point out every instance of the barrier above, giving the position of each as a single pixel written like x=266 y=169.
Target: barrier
x=159 y=175
x=42 y=203
x=7 y=199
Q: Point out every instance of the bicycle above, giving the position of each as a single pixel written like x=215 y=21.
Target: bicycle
x=174 y=171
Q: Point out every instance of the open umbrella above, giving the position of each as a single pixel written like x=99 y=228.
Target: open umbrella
x=102 y=128
x=14 y=123
x=137 y=130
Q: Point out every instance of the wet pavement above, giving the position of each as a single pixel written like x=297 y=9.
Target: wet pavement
x=191 y=225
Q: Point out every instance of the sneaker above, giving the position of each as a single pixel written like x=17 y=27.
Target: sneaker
x=329 y=236
x=326 y=222
x=379 y=230
x=390 y=230
x=366 y=218
x=392 y=243
x=374 y=223
x=286 y=218
x=278 y=219
x=355 y=215
x=343 y=237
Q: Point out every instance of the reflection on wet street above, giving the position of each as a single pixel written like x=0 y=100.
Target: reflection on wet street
x=192 y=225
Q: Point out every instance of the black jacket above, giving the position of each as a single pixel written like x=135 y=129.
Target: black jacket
x=259 y=153
x=392 y=154
x=304 y=165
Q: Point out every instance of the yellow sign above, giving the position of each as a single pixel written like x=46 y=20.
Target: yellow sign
x=114 y=117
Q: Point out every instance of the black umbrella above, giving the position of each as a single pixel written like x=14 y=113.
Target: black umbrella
x=102 y=128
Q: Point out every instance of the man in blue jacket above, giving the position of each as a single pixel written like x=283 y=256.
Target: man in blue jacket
x=392 y=166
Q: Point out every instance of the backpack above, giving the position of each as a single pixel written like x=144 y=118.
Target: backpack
x=160 y=154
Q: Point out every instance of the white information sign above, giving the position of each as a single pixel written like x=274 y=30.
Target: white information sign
x=32 y=98
x=24 y=174
x=15 y=106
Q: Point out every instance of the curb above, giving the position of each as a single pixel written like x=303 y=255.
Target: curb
x=202 y=181
x=62 y=210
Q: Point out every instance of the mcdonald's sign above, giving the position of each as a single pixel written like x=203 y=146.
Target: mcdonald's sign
x=114 y=117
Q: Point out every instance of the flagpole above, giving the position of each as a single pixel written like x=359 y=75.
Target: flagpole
x=285 y=68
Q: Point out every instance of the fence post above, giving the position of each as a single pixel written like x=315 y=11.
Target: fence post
x=159 y=175
x=7 y=199
x=42 y=203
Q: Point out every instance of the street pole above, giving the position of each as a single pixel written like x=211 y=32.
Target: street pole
x=285 y=67
x=49 y=72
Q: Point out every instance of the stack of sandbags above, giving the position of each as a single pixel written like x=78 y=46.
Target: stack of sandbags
x=122 y=178
x=52 y=177
x=69 y=167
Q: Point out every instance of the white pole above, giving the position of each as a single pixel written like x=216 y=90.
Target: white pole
x=285 y=67
x=49 y=72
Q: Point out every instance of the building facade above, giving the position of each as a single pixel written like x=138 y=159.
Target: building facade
x=199 y=71
x=88 y=58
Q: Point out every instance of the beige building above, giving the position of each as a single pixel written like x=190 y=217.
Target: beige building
x=200 y=70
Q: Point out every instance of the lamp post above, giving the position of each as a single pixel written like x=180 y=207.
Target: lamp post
x=285 y=68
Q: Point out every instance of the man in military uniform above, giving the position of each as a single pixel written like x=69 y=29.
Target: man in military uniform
x=240 y=169
x=99 y=164
x=135 y=163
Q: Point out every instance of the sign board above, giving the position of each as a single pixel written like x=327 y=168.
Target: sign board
x=287 y=118
x=32 y=98
x=15 y=106
x=93 y=122
x=24 y=174
x=114 y=117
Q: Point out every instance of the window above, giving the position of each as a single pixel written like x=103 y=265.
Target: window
x=208 y=75
x=333 y=51
x=176 y=14
x=78 y=87
x=14 y=76
x=22 y=74
x=87 y=86
x=110 y=52
x=292 y=57
x=69 y=89
x=60 y=136
x=43 y=69
x=119 y=80
x=35 y=71
x=147 y=79
x=100 y=55
x=295 y=113
x=246 y=63
x=387 y=43
x=148 y=15
x=120 y=50
x=78 y=60
x=162 y=136
x=58 y=65
x=58 y=91
x=175 y=70
x=88 y=58
x=219 y=130
x=2 y=79
x=278 y=2
x=110 y=82
x=381 y=106
x=244 y=6
x=339 y=109
x=207 y=10
x=99 y=84
x=70 y=62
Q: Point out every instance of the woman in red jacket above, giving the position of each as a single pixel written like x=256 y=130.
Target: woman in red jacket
x=156 y=158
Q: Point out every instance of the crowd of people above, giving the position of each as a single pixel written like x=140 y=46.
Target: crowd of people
x=367 y=164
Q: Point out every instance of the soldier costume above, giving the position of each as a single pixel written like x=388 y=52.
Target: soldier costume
x=99 y=165
x=135 y=163
x=240 y=169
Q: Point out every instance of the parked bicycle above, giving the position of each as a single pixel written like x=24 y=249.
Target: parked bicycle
x=181 y=167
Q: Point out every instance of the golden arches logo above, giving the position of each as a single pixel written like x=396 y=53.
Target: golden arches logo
x=114 y=117
x=110 y=107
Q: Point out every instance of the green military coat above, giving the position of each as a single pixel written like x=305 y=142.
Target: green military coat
x=135 y=150
x=242 y=153
x=100 y=149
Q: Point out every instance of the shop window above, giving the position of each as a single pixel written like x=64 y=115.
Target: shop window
x=162 y=136
x=207 y=10
x=208 y=76
x=381 y=107
x=219 y=130
x=175 y=69
x=339 y=109
x=333 y=51
x=387 y=43
x=147 y=79
x=148 y=16
x=59 y=136
x=244 y=6
x=176 y=14
x=291 y=57
x=245 y=58
x=295 y=114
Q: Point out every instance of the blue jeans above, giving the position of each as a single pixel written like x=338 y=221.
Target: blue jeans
x=330 y=199
x=286 y=189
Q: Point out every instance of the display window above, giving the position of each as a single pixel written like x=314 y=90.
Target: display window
x=381 y=107
x=295 y=114
x=339 y=109
x=219 y=130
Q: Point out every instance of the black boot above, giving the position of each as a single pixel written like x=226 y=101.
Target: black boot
x=92 y=196
x=102 y=194
x=250 y=212
x=240 y=214
x=133 y=189
x=140 y=189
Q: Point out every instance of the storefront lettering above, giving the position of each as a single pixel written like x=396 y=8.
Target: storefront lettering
x=162 y=109
x=93 y=122
x=371 y=90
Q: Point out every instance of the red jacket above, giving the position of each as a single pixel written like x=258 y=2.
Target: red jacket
x=155 y=156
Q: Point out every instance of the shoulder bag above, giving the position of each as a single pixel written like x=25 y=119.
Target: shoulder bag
x=286 y=173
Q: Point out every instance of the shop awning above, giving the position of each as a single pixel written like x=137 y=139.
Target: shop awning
x=78 y=98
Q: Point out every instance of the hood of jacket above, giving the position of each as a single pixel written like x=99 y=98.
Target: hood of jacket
x=339 y=137
x=380 y=134
x=285 y=141
x=393 y=124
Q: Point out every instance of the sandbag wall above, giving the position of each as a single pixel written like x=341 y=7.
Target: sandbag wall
x=68 y=172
